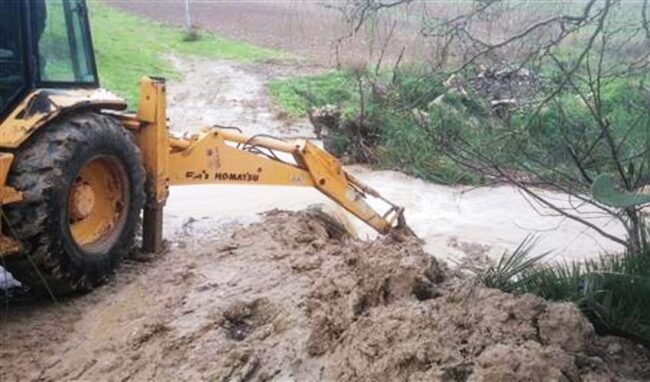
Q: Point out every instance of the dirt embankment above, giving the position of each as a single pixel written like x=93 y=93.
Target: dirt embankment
x=290 y=298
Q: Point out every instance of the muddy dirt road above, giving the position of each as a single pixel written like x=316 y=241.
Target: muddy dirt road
x=290 y=299
x=283 y=300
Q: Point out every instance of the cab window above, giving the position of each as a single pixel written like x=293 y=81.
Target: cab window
x=12 y=64
x=63 y=42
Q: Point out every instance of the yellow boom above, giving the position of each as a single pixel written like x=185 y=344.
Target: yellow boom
x=225 y=156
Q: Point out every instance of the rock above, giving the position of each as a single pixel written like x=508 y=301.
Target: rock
x=325 y=119
x=563 y=325
x=614 y=348
x=527 y=362
x=584 y=361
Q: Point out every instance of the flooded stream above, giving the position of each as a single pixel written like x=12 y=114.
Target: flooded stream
x=453 y=221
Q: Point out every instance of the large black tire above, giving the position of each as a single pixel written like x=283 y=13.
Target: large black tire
x=45 y=169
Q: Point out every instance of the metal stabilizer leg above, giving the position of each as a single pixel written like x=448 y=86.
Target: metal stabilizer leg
x=152 y=224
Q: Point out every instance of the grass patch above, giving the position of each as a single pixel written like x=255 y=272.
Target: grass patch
x=297 y=94
x=128 y=47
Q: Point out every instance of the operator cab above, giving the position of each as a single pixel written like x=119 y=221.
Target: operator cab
x=43 y=44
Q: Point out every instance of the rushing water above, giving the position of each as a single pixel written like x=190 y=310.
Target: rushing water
x=449 y=219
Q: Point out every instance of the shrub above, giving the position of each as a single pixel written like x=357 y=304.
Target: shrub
x=612 y=291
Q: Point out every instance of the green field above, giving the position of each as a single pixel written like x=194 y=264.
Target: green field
x=128 y=47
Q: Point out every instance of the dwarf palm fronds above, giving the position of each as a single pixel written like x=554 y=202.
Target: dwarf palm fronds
x=512 y=269
x=612 y=291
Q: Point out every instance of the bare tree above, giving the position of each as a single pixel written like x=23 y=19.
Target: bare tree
x=585 y=50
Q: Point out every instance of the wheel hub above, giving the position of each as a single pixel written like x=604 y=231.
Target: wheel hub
x=82 y=201
x=97 y=203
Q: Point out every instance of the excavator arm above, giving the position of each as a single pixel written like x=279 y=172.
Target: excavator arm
x=224 y=156
x=221 y=155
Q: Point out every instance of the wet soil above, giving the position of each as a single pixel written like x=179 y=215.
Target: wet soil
x=289 y=298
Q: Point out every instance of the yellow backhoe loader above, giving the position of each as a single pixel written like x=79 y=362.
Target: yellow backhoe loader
x=77 y=171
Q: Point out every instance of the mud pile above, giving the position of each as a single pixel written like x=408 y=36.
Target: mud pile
x=293 y=298
x=386 y=310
